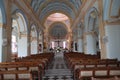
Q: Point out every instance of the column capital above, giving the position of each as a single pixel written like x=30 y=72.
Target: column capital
x=89 y=33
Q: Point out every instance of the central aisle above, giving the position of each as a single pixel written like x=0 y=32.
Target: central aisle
x=58 y=70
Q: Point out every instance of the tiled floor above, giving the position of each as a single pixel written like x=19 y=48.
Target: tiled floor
x=58 y=70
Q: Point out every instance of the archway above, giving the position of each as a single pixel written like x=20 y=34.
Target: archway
x=33 y=40
x=19 y=35
x=58 y=32
x=62 y=23
x=92 y=43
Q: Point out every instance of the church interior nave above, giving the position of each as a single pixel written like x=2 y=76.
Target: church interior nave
x=59 y=39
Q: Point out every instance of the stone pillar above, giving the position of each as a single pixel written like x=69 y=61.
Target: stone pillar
x=80 y=45
x=1 y=42
x=28 y=45
x=91 y=44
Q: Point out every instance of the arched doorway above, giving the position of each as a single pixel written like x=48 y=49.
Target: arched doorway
x=33 y=40
x=19 y=35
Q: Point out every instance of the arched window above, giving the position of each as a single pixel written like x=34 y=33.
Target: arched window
x=19 y=35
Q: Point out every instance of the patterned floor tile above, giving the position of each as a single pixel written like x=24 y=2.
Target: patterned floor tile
x=58 y=70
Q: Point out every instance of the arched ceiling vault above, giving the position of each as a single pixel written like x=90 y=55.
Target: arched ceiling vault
x=58 y=30
x=57 y=11
x=44 y=8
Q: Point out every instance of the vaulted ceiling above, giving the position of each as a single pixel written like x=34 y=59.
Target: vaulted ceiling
x=43 y=8
x=53 y=11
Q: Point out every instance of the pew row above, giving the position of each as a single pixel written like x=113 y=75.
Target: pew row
x=97 y=72
x=20 y=70
x=31 y=67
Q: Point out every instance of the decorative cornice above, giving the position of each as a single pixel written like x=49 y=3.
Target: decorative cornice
x=90 y=33
x=112 y=23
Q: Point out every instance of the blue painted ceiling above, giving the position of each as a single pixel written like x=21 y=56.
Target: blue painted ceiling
x=45 y=7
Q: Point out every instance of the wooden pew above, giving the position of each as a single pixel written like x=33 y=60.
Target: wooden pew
x=109 y=78
x=78 y=62
x=98 y=72
x=28 y=67
x=96 y=63
x=19 y=70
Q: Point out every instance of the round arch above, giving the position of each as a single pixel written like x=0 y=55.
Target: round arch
x=63 y=38
x=19 y=34
x=56 y=11
x=92 y=30
x=92 y=13
x=18 y=13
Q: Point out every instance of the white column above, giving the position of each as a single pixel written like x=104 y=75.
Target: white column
x=90 y=44
x=80 y=45
x=1 y=44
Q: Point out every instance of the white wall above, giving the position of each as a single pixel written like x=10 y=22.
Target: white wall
x=90 y=44
x=113 y=44
x=34 y=47
x=80 y=45
x=22 y=47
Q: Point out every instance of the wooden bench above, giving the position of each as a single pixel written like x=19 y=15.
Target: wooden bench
x=95 y=64
x=19 y=70
x=108 y=78
x=98 y=72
